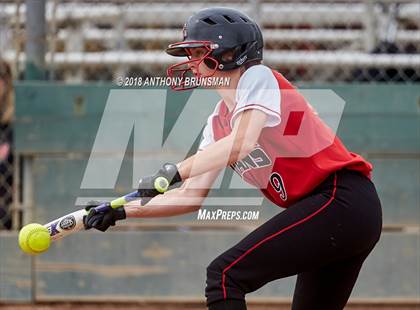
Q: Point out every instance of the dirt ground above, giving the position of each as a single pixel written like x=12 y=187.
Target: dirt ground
x=401 y=305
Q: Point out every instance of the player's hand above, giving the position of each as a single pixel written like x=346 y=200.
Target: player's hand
x=148 y=187
x=102 y=220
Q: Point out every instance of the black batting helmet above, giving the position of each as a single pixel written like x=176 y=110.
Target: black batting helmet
x=227 y=30
x=218 y=30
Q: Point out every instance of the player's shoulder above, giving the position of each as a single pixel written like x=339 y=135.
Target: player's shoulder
x=262 y=69
x=258 y=74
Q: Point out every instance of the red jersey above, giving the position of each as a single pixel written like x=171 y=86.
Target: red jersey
x=296 y=150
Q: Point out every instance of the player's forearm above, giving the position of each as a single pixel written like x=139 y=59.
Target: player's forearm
x=172 y=203
x=215 y=157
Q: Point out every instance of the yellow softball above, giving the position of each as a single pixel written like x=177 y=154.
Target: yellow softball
x=161 y=184
x=34 y=239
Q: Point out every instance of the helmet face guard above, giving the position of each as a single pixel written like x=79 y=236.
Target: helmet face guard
x=181 y=73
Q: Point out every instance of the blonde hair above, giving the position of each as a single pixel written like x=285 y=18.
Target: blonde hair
x=7 y=106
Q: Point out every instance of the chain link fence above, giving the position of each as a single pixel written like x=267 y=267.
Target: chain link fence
x=6 y=177
x=309 y=41
x=6 y=145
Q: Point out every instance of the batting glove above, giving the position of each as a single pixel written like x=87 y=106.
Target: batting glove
x=150 y=186
x=102 y=220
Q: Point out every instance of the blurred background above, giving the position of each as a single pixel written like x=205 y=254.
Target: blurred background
x=338 y=41
x=60 y=59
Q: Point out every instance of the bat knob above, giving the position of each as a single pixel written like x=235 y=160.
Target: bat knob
x=161 y=184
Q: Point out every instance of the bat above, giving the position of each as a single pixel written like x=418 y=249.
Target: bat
x=73 y=222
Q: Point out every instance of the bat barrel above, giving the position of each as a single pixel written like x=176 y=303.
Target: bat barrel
x=66 y=225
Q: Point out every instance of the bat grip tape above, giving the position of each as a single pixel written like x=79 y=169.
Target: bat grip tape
x=119 y=202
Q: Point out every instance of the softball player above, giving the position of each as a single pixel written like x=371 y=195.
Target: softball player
x=266 y=131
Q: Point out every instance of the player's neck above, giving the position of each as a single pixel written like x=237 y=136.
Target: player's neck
x=228 y=93
x=228 y=96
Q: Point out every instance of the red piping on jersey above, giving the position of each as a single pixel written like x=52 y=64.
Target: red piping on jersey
x=276 y=234
x=250 y=106
x=254 y=105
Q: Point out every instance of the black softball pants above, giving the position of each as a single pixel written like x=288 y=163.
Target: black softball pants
x=323 y=239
